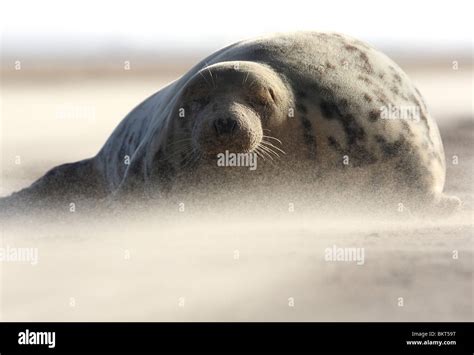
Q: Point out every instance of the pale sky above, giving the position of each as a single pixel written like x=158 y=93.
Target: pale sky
x=91 y=25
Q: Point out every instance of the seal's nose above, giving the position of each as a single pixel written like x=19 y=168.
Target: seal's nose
x=225 y=126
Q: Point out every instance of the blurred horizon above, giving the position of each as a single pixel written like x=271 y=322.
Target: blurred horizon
x=88 y=32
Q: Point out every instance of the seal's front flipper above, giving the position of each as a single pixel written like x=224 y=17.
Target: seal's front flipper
x=436 y=205
x=62 y=183
x=445 y=204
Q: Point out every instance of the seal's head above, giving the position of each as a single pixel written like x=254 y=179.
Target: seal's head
x=230 y=104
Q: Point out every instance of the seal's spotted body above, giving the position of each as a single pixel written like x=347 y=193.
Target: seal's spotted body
x=319 y=95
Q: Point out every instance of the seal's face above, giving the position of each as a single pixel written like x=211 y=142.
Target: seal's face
x=231 y=105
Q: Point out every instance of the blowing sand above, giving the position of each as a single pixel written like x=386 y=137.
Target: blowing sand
x=166 y=265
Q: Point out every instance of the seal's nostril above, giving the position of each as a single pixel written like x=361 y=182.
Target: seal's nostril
x=216 y=126
x=233 y=125
x=225 y=126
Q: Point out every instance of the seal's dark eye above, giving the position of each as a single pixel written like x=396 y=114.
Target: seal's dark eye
x=197 y=94
x=260 y=97
x=201 y=101
x=272 y=94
